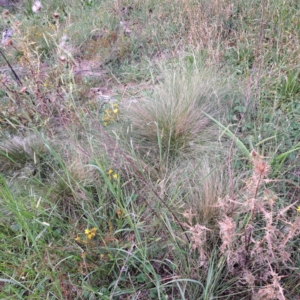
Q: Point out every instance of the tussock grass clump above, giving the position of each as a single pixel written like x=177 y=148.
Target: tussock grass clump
x=201 y=183
x=172 y=123
x=72 y=181
x=19 y=153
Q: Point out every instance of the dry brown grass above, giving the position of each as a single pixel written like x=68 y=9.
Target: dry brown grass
x=208 y=23
x=257 y=234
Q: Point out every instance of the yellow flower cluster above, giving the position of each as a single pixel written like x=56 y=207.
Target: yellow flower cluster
x=90 y=233
x=298 y=209
x=111 y=114
x=112 y=175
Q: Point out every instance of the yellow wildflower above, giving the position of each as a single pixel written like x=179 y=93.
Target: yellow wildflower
x=298 y=209
x=116 y=111
x=90 y=233
x=115 y=176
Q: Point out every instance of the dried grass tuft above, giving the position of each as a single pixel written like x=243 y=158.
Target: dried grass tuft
x=257 y=235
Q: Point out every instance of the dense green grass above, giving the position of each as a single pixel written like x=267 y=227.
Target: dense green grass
x=150 y=150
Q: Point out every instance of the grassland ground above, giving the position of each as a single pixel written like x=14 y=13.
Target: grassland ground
x=149 y=149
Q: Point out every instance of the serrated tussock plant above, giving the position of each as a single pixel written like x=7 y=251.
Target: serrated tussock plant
x=201 y=183
x=172 y=122
x=18 y=153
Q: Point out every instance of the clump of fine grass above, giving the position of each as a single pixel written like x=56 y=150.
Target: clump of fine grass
x=72 y=181
x=20 y=153
x=202 y=183
x=173 y=122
